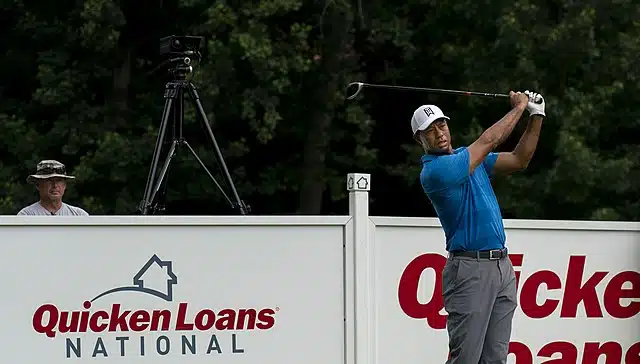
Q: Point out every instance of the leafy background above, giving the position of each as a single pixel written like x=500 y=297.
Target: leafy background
x=81 y=84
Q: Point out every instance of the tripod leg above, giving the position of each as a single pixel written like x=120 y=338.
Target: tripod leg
x=156 y=155
x=163 y=171
x=196 y=99
x=174 y=91
x=207 y=170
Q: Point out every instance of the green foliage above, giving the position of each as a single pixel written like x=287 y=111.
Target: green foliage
x=79 y=87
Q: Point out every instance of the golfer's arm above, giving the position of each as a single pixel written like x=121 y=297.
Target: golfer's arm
x=528 y=142
x=493 y=136
x=520 y=157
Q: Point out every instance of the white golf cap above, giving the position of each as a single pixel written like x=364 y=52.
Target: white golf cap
x=424 y=116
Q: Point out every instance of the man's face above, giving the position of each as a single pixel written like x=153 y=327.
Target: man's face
x=52 y=188
x=437 y=135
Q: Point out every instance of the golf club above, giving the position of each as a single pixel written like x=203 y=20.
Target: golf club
x=361 y=85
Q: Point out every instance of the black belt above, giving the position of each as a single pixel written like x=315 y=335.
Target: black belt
x=483 y=254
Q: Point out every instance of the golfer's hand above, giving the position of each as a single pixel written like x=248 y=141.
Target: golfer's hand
x=518 y=99
x=535 y=106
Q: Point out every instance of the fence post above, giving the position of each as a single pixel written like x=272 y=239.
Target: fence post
x=359 y=185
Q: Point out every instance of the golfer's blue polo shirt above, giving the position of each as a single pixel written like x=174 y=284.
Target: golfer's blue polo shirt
x=466 y=204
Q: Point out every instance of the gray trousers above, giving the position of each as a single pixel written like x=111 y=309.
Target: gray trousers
x=480 y=298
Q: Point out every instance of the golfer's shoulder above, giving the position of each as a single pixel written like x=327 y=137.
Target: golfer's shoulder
x=441 y=167
x=445 y=162
x=460 y=151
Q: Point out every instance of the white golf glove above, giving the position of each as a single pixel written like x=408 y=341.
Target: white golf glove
x=535 y=106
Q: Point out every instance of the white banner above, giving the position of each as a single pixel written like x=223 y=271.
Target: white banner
x=271 y=290
x=172 y=294
x=578 y=292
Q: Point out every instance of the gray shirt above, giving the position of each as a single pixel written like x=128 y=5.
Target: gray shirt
x=65 y=210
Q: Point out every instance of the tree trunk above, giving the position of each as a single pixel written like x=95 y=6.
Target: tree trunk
x=121 y=82
x=333 y=44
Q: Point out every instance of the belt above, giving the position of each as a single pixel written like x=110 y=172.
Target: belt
x=483 y=254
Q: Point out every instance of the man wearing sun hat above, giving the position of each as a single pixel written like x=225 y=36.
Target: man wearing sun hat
x=50 y=180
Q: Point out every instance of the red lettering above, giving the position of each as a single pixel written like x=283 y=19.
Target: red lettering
x=48 y=327
x=593 y=351
x=84 y=317
x=47 y=319
x=633 y=354
x=160 y=315
x=266 y=319
x=182 y=316
x=94 y=324
x=139 y=320
x=408 y=291
x=576 y=292
x=521 y=352
x=84 y=321
x=227 y=320
x=614 y=292
x=205 y=320
x=516 y=261
x=69 y=324
x=568 y=352
x=245 y=317
x=117 y=319
x=530 y=293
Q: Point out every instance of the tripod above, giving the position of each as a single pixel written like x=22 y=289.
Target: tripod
x=174 y=95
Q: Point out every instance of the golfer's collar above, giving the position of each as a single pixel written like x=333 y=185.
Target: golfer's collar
x=429 y=157
x=435 y=153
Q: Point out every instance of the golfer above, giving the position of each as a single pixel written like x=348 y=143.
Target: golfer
x=478 y=280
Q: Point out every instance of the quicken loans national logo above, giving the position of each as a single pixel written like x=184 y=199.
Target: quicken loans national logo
x=172 y=330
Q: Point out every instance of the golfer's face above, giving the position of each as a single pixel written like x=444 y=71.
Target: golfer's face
x=53 y=188
x=438 y=134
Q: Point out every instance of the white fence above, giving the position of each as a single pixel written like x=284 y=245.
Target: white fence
x=353 y=289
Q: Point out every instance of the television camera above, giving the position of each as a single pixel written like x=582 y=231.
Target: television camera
x=182 y=50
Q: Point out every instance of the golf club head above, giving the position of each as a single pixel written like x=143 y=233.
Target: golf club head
x=358 y=87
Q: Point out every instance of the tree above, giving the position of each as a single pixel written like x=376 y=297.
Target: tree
x=88 y=91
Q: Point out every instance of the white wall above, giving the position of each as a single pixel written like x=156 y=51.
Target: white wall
x=576 y=317
x=319 y=289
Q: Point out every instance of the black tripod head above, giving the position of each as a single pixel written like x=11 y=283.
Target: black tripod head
x=181 y=51
x=181 y=69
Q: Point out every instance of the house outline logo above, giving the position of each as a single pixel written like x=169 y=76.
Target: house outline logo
x=138 y=281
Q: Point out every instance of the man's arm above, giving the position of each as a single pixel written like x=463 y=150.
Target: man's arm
x=498 y=132
x=519 y=158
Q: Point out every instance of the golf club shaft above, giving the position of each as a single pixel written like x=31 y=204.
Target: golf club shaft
x=361 y=85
